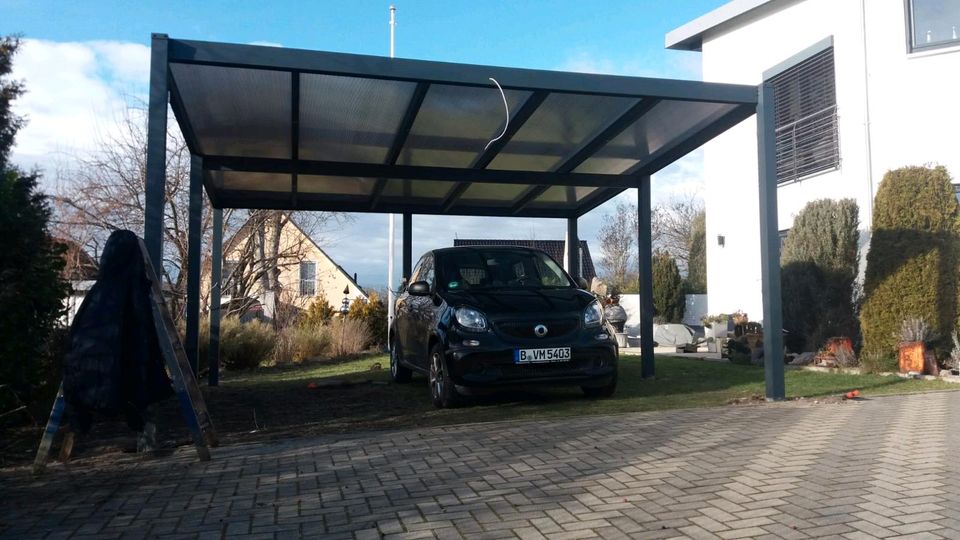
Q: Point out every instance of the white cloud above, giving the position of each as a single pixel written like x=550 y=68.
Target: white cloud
x=74 y=91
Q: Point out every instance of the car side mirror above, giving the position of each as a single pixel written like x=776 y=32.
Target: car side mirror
x=582 y=282
x=419 y=288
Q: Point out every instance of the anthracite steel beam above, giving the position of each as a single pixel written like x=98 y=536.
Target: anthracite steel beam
x=294 y=135
x=192 y=341
x=216 y=257
x=514 y=125
x=413 y=172
x=645 y=245
x=376 y=67
x=770 y=246
x=409 y=117
x=573 y=249
x=407 y=247
x=156 y=152
x=615 y=128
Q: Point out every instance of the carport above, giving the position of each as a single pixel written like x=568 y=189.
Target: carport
x=289 y=129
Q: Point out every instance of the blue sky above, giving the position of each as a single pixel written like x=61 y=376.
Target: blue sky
x=85 y=60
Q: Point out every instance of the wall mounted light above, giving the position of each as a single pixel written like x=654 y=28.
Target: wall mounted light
x=721 y=240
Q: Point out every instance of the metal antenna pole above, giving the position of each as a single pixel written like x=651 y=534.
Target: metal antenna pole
x=391 y=227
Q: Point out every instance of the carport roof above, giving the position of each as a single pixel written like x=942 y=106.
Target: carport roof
x=295 y=129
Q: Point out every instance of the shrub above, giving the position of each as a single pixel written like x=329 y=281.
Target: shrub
x=374 y=313
x=347 y=337
x=245 y=345
x=818 y=278
x=668 y=298
x=298 y=343
x=318 y=314
x=912 y=262
x=874 y=362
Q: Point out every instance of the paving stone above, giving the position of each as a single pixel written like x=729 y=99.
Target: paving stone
x=876 y=469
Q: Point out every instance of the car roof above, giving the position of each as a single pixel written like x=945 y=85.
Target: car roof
x=486 y=249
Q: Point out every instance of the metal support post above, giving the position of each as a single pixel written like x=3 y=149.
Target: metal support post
x=192 y=341
x=645 y=245
x=573 y=249
x=216 y=257
x=156 y=152
x=407 y=246
x=770 y=247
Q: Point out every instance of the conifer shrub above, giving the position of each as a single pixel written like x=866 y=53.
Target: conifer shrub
x=818 y=278
x=668 y=297
x=913 y=259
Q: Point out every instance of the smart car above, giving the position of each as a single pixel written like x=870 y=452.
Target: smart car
x=477 y=318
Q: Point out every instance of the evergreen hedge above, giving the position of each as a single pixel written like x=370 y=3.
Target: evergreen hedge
x=818 y=279
x=668 y=297
x=697 y=261
x=913 y=259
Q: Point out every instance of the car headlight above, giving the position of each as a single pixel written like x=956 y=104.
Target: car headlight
x=593 y=315
x=471 y=319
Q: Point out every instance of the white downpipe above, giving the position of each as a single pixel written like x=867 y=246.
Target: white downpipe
x=391 y=227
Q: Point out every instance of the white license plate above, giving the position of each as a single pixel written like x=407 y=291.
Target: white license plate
x=537 y=356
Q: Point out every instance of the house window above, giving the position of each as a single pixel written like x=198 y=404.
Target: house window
x=308 y=278
x=932 y=24
x=783 y=238
x=805 y=99
x=229 y=283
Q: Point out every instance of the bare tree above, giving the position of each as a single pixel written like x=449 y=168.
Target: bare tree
x=672 y=221
x=618 y=244
x=105 y=191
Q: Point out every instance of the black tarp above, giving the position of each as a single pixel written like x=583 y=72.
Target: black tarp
x=114 y=364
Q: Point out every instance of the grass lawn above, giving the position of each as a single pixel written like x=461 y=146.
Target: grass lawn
x=272 y=403
x=680 y=383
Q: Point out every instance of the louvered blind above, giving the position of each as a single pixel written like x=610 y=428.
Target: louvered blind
x=806 y=118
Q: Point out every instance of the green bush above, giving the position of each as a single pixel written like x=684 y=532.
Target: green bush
x=696 y=282
x=668 y=297
x=818 y=279
x=373 y=312
x=319 y=313
x=298 y=343
x=872 y=362
x=245 y=345
x=912 y=262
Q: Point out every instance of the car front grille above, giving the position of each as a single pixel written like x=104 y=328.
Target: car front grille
x=524 y=329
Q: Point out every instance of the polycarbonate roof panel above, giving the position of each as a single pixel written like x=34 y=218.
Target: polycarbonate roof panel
x=455 y=123
x=418 y=189
x=662 y=126
x=335 y=185
x=349 y=118
x=254 y=122
x=559 y=127
x=484 y=194
x=250 y=181
x=381 y=134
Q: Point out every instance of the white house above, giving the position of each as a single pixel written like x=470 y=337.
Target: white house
x=862 y=87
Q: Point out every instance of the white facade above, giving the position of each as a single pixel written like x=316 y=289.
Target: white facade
x=894 y=108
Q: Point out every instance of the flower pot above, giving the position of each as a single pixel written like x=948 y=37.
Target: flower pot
x=930 y=366
x=910 y=355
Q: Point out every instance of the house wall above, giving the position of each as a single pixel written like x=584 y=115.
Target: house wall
x=912 y=113
x=331 y=280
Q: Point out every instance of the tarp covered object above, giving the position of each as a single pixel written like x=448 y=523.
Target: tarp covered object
x=114 y=364
x=672 y=334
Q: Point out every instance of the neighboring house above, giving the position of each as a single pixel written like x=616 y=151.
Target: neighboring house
x=305 y=272
x=80 y=270
x=557 y=249
x=861 y=88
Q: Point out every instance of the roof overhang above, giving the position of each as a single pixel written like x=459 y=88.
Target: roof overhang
x=690 y=36
x=294 y=129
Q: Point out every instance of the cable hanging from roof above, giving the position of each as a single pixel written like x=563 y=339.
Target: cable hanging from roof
x=506 y=122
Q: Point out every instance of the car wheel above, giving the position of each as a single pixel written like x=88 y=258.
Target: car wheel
x=601 y=391
x=398 y=371
x=442 y=390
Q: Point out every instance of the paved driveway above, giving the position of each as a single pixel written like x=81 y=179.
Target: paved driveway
x=880 y=468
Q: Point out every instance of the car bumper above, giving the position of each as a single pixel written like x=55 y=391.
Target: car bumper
x=475 y=368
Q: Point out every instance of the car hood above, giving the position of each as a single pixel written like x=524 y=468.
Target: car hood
x=505 y=303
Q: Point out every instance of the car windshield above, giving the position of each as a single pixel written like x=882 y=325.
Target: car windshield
x=499 y=269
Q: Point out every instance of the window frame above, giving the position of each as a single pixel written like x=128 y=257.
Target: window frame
x=909 y=34
x=302 y=280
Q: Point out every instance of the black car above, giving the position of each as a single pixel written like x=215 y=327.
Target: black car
x=478 y=317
